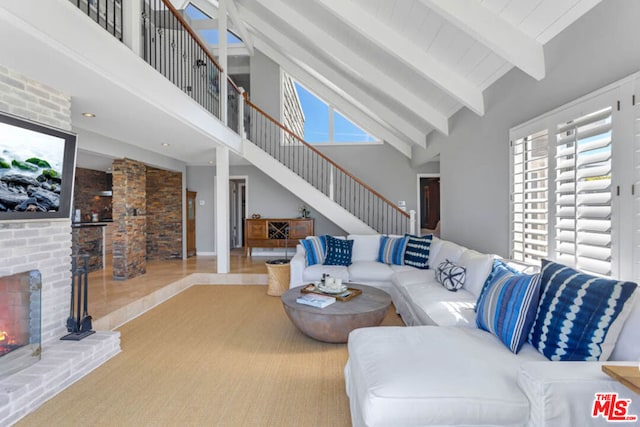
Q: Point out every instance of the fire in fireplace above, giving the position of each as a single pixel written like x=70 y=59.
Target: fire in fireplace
x=20 y=314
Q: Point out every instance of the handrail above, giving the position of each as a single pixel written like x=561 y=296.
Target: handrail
x=173 y=49
x=187 y=27
x=319 y=153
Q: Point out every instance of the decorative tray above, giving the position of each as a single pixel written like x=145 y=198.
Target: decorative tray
x=346 y=295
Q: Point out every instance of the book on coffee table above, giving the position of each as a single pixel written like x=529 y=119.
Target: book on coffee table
x=315 y=300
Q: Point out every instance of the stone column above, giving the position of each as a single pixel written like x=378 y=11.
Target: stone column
x=129 y=218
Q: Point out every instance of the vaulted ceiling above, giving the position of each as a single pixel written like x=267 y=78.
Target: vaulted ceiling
x=399 y=68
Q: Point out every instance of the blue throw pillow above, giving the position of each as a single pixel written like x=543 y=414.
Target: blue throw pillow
x=416 y=253
x=338 y=251
x=507 y=307
x=578 y=314
x=499 y=266
x=392 y=250
x=315 y=248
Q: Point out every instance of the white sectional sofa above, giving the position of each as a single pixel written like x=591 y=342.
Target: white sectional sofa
x=416 y=294
x=364 y=267
x=445 y=371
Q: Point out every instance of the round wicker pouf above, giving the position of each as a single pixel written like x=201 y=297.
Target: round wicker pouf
x=279 y=276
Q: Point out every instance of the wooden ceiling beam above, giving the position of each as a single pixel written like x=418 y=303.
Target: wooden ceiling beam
x=412 y=55
x=326 y=43
x=497 y=34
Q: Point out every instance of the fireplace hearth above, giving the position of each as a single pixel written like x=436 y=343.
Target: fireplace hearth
x=20 y=318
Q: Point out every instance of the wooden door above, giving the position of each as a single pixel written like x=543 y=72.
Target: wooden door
x=191 y=223
x=430 y=203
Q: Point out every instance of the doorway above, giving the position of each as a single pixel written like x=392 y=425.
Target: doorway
x=428 y=202
x=237 y=210
x=191 y=223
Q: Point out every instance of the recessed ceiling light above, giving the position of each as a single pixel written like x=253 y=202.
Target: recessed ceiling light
x=164 y=144
x=88 y=114
x=211 y=162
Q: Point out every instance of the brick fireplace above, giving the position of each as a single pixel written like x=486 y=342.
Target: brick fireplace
x=44 y=246
x=19 y=321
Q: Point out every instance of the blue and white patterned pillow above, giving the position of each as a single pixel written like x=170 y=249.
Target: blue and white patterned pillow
x=392 y=250
x=579 y=316
x=338 y=251
x=507 y=307
x=416 y=253
x=499 y=266
x=450 y=275
x=315 y=248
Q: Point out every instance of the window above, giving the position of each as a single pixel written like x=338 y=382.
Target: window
x=210 y=35
x=530 y=197
x=583 y=192
x=575 y=172
x=325 y=125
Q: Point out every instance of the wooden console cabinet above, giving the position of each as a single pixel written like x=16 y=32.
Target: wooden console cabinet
x=275 y=232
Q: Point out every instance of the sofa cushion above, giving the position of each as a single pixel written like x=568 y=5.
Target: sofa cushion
x=446 y=251
x=314 y=273
x=403 y=278
x=403 y=268
x=365 y=246
x=499 y=266
x=392 y=250
x=416 y=252
x=369 y=270
x=478 y=266
x=430 y=381
x=579 y=316
x=338 y=251
x=315 y=249
x=450 y=275
x=508 y=306
x=628 y=344
x=432 y=304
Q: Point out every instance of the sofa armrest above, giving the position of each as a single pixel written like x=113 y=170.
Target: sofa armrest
x=297 y=265
x=563 y=393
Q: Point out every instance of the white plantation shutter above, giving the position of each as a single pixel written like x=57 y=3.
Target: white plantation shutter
x=635 y=189
x=583 y=193
x=530 y=197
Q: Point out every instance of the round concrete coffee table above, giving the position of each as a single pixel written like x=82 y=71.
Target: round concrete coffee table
x=334 y=322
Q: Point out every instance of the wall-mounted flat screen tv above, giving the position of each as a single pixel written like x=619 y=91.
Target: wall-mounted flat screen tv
x=37 y=166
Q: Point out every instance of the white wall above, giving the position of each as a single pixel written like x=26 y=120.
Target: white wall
x=200 y=180
x=602 y=47
x=392 y=176
x=266 y=90
x=264 y=196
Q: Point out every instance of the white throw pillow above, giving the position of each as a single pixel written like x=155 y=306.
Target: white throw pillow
x=447 y=251
x=365 y=247
x=478 y=267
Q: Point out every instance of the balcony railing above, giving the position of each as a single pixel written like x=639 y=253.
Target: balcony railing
x=173 y=49
x=107 y=13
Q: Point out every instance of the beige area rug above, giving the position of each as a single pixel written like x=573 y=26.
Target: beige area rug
x=211 y=356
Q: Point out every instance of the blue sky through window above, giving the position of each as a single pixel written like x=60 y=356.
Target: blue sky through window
x=316 y=125
x=316 y=113
x=211 y=36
